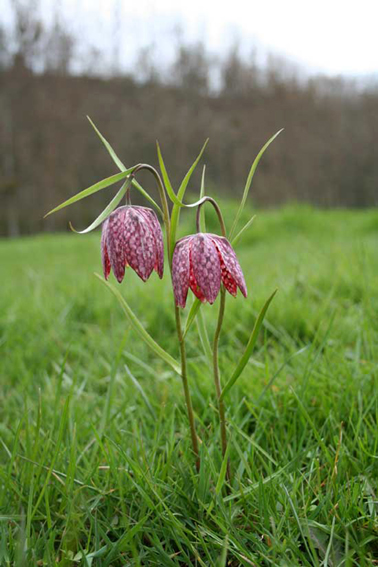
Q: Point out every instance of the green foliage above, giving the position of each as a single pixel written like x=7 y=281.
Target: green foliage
x=93 y=189
x=96 y=465
x=175 y=216
x=248 y=187
x=108 y=210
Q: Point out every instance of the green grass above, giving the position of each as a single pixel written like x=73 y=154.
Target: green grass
x=96 y=467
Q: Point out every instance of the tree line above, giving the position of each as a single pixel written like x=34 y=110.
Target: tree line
x=326 y=155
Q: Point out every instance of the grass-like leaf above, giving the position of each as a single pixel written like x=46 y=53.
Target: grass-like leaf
x=192 y=314
x=204 y=337
x=112 y=153
x=93 y=189
x=107 y=211
x=249 y=348
x=122 y=167
x=247 y=225
x=202 y=194
x=180 y=195
x=167 y=183
x=249 y=181
x=138 y=327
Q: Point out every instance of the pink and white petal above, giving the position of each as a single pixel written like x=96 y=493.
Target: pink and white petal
x=206 y=266
x=181 y=271
x=140 y=247
x=232 y=269
x=104 y=250
x=116 y=242
x=156 y=232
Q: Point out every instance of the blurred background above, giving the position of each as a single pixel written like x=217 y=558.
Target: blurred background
x=181 y=73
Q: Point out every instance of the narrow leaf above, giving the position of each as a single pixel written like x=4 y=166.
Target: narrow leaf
x=112 y=153
x=93 y=189
x=247 y=225
x=166 y=180
x=202 y=194
x=141 y=391
x=223 y=471
x=122 y=167
x=107 y=211
x=204 y=337
x=138 y=327
x=180 y=195
x=249 y=348
x=192 y=314
x=249 y=181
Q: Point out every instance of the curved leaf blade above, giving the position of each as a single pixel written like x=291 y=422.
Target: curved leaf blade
x=112 y=153
x=236 y=239
x=167 y=183
x=122 y=167
x=175 y=216
x=107 y=211
x=138 y=327
x=93 y=189
x=192 y=314
x=249 y=181
x=204 y=338
x=202 y=220
x=249 y=348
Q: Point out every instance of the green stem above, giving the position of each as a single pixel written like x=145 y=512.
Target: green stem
x=184 y=376
x=185 y=384
x=217 y=382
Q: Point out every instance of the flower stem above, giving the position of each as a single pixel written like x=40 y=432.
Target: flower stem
x=218 y=387
x=185 y=384
x=217 y=382
x=184 y=376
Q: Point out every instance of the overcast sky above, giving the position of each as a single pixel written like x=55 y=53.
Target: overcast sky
x=330 y=36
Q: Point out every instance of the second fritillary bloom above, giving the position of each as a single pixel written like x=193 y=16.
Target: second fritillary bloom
x=202 y=262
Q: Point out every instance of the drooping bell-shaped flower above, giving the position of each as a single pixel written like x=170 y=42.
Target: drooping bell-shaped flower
x=202 y=262
x=132 y=236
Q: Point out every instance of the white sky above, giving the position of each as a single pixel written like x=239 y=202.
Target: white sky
x=330 y=36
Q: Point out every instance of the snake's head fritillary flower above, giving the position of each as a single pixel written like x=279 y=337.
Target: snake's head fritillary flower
x=202 y=262
x=131 y=236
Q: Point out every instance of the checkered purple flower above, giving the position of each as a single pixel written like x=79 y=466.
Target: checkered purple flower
x=202 y=262
x=131 y=236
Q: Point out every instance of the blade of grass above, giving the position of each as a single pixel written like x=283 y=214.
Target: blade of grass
x=249 y=181
x=204 y=337
x=249 y=348
x=138 y=327
x=141 y=391
x=236 y=239
x=192 y=314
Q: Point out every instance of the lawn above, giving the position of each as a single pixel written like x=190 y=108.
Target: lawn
x=96 y=467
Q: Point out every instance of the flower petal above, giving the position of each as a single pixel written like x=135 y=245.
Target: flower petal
x=194 y=285
x=104 y=250
x=116 y=240
x=140 y=247
x=157 y=234
x=206 y=266
x=181 y=271
x=231 y=270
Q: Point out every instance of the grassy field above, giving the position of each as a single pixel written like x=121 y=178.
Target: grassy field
x=96 y=467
